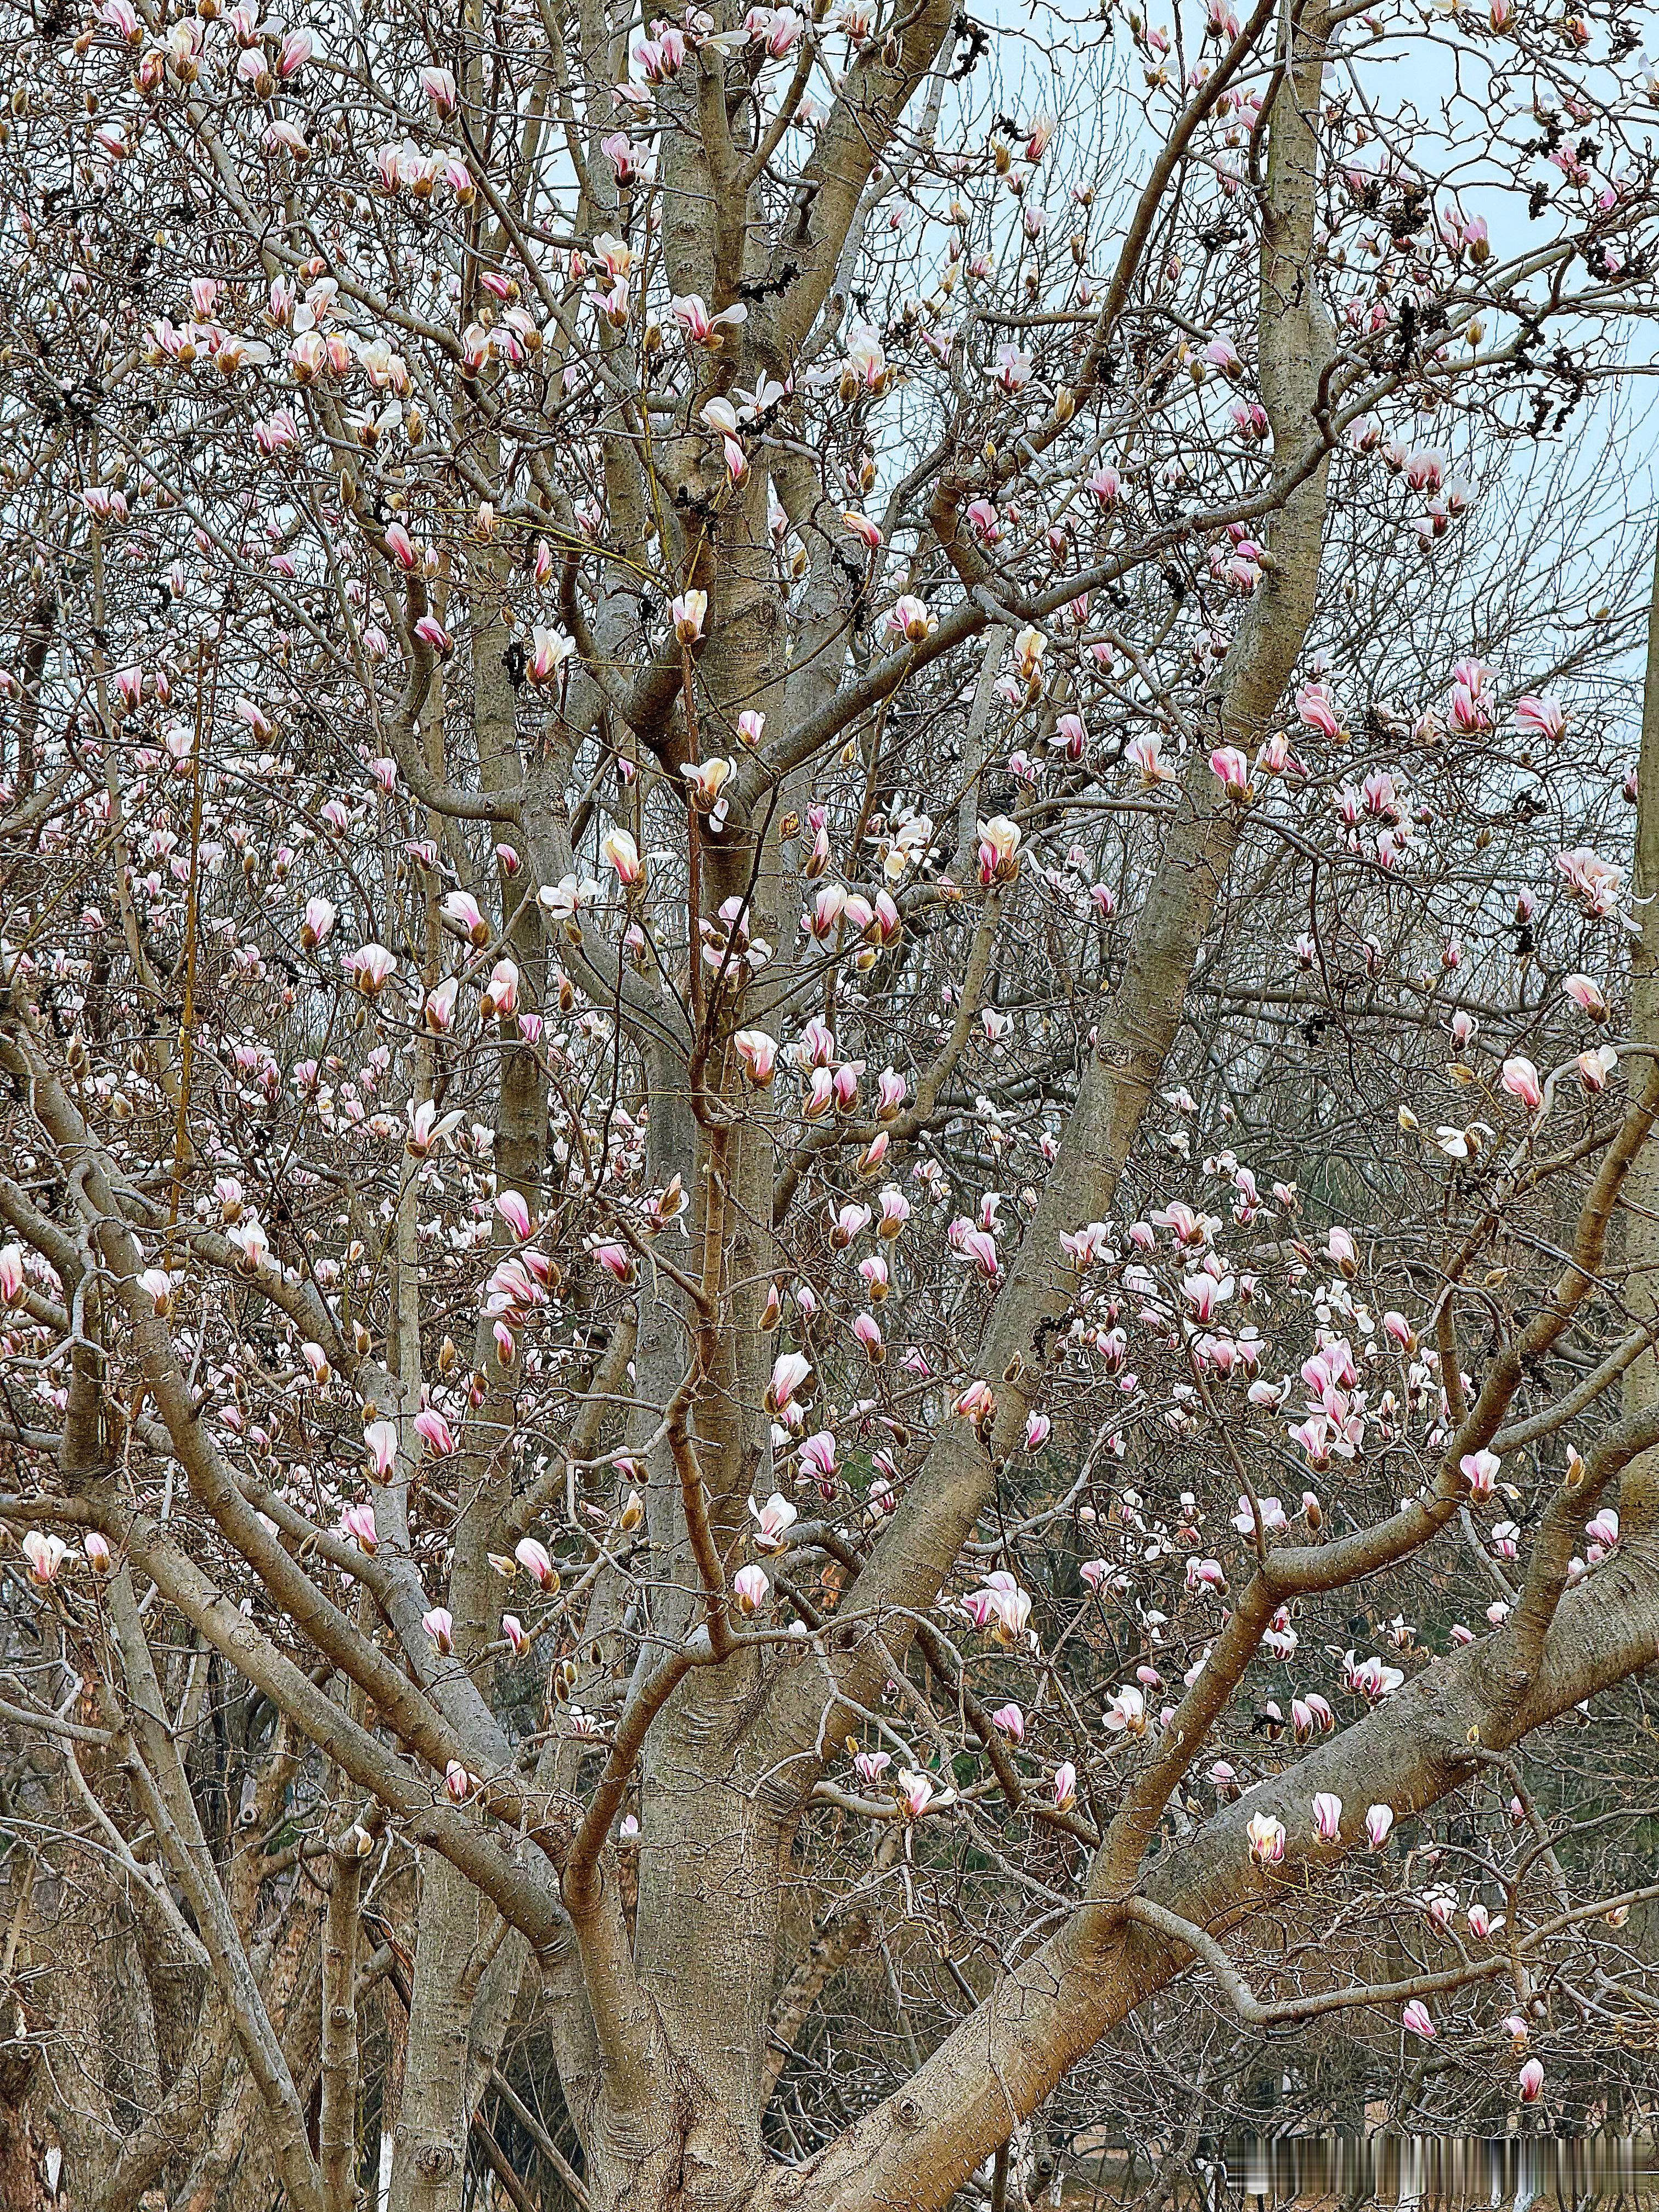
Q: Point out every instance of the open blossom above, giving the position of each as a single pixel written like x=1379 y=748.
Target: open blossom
x=1001 y=1606
x=45 y=1554
x=431 y=1425
x=1126 y=1712
x=1599 y=885
x=692 y=315
x=911 y=619
x=915 y=1792
x=1266 y=1836
x=773 y=1521
x=1542 y=718
x=1480 y=1470
x=1315 y=705
x=1603 y=1532
x=369 y=968
x=551 y=649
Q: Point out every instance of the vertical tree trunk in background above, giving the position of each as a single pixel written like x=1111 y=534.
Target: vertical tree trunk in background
x=1641 y=1484
x=21 y=2185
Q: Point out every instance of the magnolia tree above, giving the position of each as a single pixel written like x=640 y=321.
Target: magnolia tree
x=828 y=1039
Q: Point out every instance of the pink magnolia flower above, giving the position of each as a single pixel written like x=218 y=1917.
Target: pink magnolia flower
x=751 y=1588
x=500 y=994
x=369 y=968
x=1603 y=1532
x=817 y=1455
x=1266 y=1836
x=909 y=618
x=618 y=847
x=431 y=1426
x=758 y=1053
x=441 y=1627
x=439 y=86
x=773 y=1521
x=1599 y=885
x=1520 y=1079
x=1125 y=1711
x=513 y=1629
x=1232 y=771
x=380 y=1444
x=894 y=1210
x=1595 y=1067
x=358 y=1522
x=1327 y=1816
x=1540 y=717
x=533 y=1558
x=1480 y=1470
x=1001 y=1606
x=1378 y=1821
x=702 y=328
x=915 y=1792
x=789 y=1371
x=1586 y=993
x=687 y=612
x=627 y=161
x=977 y=1402
x=513 y=1209
x=1145 y=753
x=1417 y=2018
x=871 y=1765
x=1037 y=1428
x=457 y=1783
x=867 y=1330
x=46 y=1555
x=1532 y=2082
x=1316 y=707
x=1009 y=1721
x=1065 y=1787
